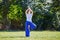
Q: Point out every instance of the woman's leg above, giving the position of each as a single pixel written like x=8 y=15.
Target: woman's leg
x=32 y=26
x=27 y=29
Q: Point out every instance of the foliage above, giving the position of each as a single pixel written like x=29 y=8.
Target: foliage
x=15 y=12
x=45 y=16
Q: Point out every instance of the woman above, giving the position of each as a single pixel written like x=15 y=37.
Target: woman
x=29 y=25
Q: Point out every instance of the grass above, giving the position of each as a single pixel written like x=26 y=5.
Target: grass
x=35 y=35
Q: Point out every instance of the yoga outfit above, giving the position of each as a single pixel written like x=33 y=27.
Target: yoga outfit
x=29 y=25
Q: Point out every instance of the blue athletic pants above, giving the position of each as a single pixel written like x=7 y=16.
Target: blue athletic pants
x=27 y=30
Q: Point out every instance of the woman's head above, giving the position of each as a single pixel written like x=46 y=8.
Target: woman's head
x=29 y=9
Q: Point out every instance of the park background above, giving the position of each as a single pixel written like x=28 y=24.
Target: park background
x=46 y=14
x=46 y=17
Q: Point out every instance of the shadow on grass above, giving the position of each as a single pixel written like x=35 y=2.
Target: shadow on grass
x=13 y=37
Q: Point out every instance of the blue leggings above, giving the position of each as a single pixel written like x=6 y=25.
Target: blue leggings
x=27 y=29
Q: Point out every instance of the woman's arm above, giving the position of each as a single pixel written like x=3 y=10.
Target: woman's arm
x=32 y=11
x=29 y=10
x=26 y=11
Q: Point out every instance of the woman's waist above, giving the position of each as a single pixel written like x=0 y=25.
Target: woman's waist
x=30 y=20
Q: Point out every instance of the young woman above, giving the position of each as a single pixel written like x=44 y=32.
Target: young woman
x=29 y=25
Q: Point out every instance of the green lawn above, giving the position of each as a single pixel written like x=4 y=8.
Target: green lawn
x=35 y=35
